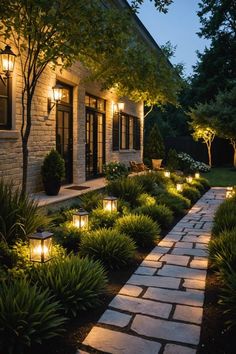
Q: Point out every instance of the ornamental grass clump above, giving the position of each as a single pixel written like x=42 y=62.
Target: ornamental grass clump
x=141 y=228
x=127 y=189
x=76 y=283
x=28 y=316
x=225 y=217
x=158 y=212
x=191 y=193
x=113 y=249
x=91 y=200
x=174 y=201
x=148 y=183
x=100 y=218
x=68 y=236
x=198 y=185
x=228 y=298
x=146 y=199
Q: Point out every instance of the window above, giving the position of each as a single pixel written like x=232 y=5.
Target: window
x=126 y=132
x=5 y=104
x=94 y=102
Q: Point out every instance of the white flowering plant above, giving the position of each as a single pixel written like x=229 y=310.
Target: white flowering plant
x=189 y=165
x=114 y=170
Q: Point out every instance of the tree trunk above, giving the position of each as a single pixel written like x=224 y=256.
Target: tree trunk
x=25 y=138
x=209 y=154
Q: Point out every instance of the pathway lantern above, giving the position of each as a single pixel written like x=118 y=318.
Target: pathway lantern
x=110 y=203
x=41 y=246
x=80 y=219
x=167 y=174
x=189 y=179
x=179 y=187
x=197 y=175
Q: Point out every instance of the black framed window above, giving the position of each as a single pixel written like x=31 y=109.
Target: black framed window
x=126 y=132
x=5 y=104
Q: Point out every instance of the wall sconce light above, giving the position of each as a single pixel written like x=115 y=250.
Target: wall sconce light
x=118 y=107
x=40 y=246
x=110 y=204
x=80 y=219
x=179 y=187
x=189 y=179
x=7 y=58
x=197 y=175
x=167 y=174
x=57 y=96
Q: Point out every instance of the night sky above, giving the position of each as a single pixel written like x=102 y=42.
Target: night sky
x=179 y=26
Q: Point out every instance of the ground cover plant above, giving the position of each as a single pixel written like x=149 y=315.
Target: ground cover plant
x=127 y=189
x=157 y=212
x=102 y=218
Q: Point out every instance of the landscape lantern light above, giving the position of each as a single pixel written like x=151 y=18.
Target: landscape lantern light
x=229 y=192
x=57 y=92
x=197 y=175
x=189 y=179
x=80 y=219
x=167 y=174
x=41 y=246
x=179 y=187
x=110 y=203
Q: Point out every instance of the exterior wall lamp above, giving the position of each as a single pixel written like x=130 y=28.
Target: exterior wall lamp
x=118 y=107
x=57 y=96
x=7 y=58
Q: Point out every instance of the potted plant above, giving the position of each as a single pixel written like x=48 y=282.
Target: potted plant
x=53 y=171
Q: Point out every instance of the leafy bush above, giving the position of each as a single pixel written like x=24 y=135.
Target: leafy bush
x=146 y=199
x=5 y=255
x=172 y=160
x=127 y=189
x=123 y=207
x=225 y=217
x=141 y=228
x=19 y=215
x=91 y=200
x=196 y=184
x=53 y=167
x=113 y=249
x=68 y=236
x=191 y=193
x=148 y=183
x=189 y=165
x=222 y=250
x=76 y=283
x=174 y=201
x=115 y=170
x=159 y=213
x=100 y=218
x=204 y=182
x=228 y=298
x=27 y=316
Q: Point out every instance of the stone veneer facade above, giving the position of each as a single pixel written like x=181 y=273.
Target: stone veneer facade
x=43 y=131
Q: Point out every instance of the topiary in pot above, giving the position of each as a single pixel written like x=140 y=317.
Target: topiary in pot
x=53 y=171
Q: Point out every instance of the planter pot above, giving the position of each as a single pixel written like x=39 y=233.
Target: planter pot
x=52 y=187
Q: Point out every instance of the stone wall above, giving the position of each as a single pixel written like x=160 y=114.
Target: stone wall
x=42 y=137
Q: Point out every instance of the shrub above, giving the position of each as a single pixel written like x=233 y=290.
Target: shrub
x=146 y=199
x=113 y=249
x=228 y=298
x=172 y=160
x=154 y=147
x=100 y=218
x=189 y=165
x=174 y=201
x=191 y=193
x=123 y=207
x=222 y=250
x=198 y=185
x=159 y=213
x=127 y=189
x=76 y=283
x=225 y=217
x=148 y=183
x=68 y=236
x=141 y=228
x=91 y=200
x=19 y=215
x=115 y=170
x=53 y=167
x=27 y=316
x=5 y=255
x=204 y=182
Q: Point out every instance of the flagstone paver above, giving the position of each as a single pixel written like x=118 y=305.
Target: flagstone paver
x=160 y=308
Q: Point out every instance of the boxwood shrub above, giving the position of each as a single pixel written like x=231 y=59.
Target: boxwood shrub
x=113 y=249
x=141 y=228
x=158 y=212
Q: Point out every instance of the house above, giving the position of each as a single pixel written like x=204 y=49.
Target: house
x=86 y=126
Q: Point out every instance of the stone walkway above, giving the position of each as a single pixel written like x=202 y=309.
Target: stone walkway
x=160 y=308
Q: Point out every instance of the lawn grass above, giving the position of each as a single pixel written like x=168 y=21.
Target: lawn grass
x=221 y=177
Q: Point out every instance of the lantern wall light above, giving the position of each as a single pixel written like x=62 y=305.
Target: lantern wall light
x=7 y=58
x=110 y=204
x=40 y=246
x=118 y=107
x=179 y=187
x=57 y=91
x=80 y=219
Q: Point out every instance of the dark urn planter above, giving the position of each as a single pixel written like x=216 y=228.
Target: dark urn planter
x=52 y=187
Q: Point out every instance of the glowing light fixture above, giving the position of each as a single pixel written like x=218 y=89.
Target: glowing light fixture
x=57 y=92
x=41 y=246
x=167 y=174
x=179 y=187
x=197 y=175
x=7 y=58
x=80 y=219
x=110 y=204
x=189 y=179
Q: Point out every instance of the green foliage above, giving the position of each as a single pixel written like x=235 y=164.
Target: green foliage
x=91 y=200
x=19 y=215
x=114 y=170
x=100 y=218
x=222 y=250
x=113 y=249
x=148 y=182
x=225 y=217
x=5 y=255
x=174 y=201
x=153 y=144
x=76 y=283
x=159 y=213
x=141 y=228
x=191 y=193
x=53 y=167
x=228 y=298
x=146 y=199
x=27 y=316
x=204 y=182
x=172 y=160
x=127 y=189
x=198 y=185
x=68 y=236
